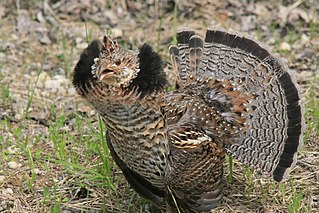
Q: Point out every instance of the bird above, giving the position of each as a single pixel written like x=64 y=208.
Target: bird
x=232 y=97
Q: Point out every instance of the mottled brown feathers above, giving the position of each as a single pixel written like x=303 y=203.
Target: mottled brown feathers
x=233 y=96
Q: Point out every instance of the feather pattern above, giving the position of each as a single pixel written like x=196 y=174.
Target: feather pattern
x=234 y=97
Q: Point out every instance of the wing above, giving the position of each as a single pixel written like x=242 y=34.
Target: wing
x=138 y=183
x=216 y=106
x=194 y=174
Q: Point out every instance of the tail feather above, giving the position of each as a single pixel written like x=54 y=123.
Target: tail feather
x=180 y=54
x=176 y=63
x=195 y=54
x=276 y=123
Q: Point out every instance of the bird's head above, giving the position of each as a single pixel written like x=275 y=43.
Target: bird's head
x=115 y=66
x=107 y=66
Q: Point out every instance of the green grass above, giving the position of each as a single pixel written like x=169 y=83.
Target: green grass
x=80 y=156
x=159 y=30
x=88 y=33
x=175 y=22
x=174 y=199
x=230 y=174
x=295 y=200
x=32 y=89
x=312 y=108
x=72 y=153
x=27 y=152
x=58 y=137
x=67 y=55
x=5 y=94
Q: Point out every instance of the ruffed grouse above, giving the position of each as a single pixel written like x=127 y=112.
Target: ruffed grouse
x=232 y=96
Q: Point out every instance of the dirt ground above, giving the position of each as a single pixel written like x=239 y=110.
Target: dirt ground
x=40 y=43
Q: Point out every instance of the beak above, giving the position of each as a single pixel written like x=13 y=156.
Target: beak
x=106 y=72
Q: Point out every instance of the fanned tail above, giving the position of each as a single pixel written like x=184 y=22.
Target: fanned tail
x=275 y=121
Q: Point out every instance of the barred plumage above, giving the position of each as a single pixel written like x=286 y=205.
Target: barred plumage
x=233 y=96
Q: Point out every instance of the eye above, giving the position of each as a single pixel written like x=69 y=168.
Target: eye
x=118 y=62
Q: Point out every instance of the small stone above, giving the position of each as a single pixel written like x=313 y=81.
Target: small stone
x=93 y=194
x=18 y=116
x=2 y=56
x=92 y=112
x=9 y=191
x=65 y=128
x=37 y=188
x=52 y=20
x=40 y=84
x=2 y=11
x=79 y=40
x=305 y=39
x=37 y=171
x=53 y=85
x=44 y=94
x=117 y=33
x=271 y=41
x=2 y=178
x=55 y=180
x=71 y=91
x=62 y=90
x=84 y=109
x=12 y=165
x=285 y=46
x=51 y=144
x=44 y=39
x=43 y=76
x=304 y=76
x=12 y=150
x=80 y=43
x=60 y=72
x=59 y=77
x=40 y=17
x=14 y=36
